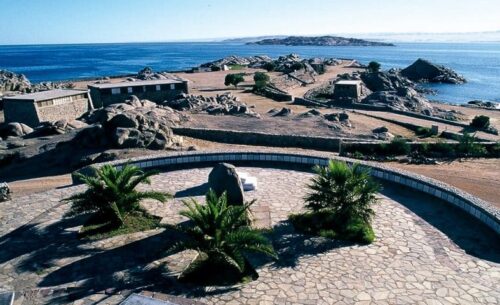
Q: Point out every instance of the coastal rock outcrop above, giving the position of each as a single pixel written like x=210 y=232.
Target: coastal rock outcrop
x=10 y=81
x=424 y=71
x=319 y=41
x=250 y=61
x=223 y=104
x=391 y=89
x=389 y=80
x=13 y=82
x=148 y=74
x=133 y=124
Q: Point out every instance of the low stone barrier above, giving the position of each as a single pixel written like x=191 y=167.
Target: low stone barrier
x=483 y=211
x=260 y=138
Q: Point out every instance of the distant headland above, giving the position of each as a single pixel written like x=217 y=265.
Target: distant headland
x=320 y=41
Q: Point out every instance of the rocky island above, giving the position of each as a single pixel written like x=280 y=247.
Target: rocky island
x=321 y=41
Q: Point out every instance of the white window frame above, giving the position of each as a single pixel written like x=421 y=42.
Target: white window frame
x=158 y=87
x=172 y=86
x=115 y=91
x=130 y=89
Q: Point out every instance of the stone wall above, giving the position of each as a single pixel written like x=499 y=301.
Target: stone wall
x=68 y=111
x=262 y=139
x=275 y=94
x=20 y=111
x=480 y=209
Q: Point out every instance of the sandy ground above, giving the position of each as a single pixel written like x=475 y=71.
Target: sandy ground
x=480 y=177
x=212 y=83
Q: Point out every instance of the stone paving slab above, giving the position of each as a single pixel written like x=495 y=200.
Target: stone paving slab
x=411 y=262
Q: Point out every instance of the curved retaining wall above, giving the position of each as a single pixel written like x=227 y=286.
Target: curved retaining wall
x=474 y=206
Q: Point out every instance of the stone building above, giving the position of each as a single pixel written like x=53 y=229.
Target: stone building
x=52 y=105
x=347 y=90
x=153 y=90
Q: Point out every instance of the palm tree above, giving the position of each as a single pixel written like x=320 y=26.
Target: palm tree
x=347 y=192
x=111 y=193
x=221 y=234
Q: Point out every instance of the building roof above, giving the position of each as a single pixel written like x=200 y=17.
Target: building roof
x=136 y=83
x=45 y=95
x=348 y=82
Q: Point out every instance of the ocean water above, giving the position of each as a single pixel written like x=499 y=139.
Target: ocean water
x=478 y=62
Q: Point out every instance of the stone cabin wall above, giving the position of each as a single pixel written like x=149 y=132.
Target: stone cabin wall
x=68 y=111
x=20 y=111
x=103 y=97
x=346 y=91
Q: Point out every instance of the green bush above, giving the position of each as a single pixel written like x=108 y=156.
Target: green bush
x=339 y=201
x=494 y=150
x=269 y=66
x=233 y=79
x=111 y=194
x=261 y=77
x=296 y=66
x=374 y=67
x=424 y=132
x=215 y=68
x=468 y=146
x=398 y=146
x=480 y=122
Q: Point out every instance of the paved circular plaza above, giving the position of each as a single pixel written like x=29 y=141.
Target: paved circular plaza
x=425 y=252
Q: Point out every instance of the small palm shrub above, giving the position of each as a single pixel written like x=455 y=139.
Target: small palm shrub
x=222 y=236
x=111 y=194
x=339 y=203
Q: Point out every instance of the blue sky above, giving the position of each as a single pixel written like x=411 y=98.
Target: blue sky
x=86 y=21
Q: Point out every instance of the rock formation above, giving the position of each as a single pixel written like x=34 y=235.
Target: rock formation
x=424 y=71
x=148 y=74
x=10 y=81
x=251 y=61
x=133 y=124
x=223 y=104
x=224 y=178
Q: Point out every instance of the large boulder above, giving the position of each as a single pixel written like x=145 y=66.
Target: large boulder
x=14 y=129
x=424 y=71
x=133 y=124
x=385 y=81
x=224 y=178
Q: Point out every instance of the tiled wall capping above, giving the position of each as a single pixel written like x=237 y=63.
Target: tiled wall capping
x=476 y=207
